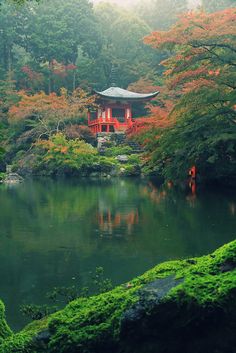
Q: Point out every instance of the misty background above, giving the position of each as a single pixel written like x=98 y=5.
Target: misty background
x=131 y=3
x=76 y=43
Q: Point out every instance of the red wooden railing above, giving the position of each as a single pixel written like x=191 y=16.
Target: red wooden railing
x=96 y=124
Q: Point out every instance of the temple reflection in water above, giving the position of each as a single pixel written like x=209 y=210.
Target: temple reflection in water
x=110 y=220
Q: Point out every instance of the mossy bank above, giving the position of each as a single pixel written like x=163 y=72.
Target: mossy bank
x=178 y=306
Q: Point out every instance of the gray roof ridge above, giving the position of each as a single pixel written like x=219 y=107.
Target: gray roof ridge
x=117 y=92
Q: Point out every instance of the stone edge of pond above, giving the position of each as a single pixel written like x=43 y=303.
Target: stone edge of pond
x=192 y=299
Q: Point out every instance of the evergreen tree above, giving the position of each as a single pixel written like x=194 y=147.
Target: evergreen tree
x=213 y=5
x=161 y=14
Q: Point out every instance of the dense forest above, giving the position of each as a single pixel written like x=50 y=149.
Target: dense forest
x=55 y=53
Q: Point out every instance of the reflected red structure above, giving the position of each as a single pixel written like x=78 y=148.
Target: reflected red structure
x=108 y=220
x=232 y=208
x=155 y=194
x=192 y=185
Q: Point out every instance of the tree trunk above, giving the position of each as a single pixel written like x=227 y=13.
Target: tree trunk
x=74 y=80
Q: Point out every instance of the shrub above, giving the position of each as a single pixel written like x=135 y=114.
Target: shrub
x=118 y=150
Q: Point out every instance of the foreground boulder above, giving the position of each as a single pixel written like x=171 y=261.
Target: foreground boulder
x=177 y=307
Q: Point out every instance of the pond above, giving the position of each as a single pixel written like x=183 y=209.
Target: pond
x=55 y=232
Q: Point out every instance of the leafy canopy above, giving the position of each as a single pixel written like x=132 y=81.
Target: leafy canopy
x=200 y=76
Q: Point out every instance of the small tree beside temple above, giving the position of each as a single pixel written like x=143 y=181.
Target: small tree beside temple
x=49 y=113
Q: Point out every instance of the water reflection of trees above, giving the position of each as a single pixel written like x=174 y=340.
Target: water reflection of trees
x=232 y=208
x=60 y=214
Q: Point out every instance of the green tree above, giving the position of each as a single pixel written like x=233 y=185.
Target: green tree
x=58 y=28
x=2 y=149
x=161 y=14
x=39 y=42
x=212 y=5
x=59 y=155
x=11 y=24
x=122 y=34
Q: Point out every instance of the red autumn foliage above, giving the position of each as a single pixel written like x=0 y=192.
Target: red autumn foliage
x=71 y=67
x=51 y=106
x=143 y=86
x=199 y=39
x=203 y=47
x=195 y=84
x=159 y=109
x=83 y=132
x=32 y=75
x=59 y=69
x=186 y=76
x=196 y=25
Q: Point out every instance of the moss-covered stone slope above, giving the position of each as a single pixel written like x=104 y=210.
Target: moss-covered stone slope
x=177 y=307
x=4 y=329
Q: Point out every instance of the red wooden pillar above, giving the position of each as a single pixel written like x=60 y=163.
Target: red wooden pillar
x=109 y=216
x=101 y=219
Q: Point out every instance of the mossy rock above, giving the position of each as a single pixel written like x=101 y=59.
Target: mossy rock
x=2 y=176
x=130 y=170
x=178 y=306
x=5 y=331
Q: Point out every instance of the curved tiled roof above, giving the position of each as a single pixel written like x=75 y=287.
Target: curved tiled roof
x=120 y=93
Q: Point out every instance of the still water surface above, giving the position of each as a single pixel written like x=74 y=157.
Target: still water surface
x=54 y=232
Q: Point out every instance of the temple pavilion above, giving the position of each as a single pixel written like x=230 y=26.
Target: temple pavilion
x=114 y=113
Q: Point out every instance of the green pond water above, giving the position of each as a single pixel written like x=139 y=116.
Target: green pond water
x=55 y=232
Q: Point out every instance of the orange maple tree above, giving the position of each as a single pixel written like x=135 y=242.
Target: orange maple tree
x=204 y=50
x=51 y=106
x=200 y=81
x=48 y=112
x=203 y=56
x=159 y=109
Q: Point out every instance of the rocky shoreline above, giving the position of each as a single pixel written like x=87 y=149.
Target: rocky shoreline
x=178 y=306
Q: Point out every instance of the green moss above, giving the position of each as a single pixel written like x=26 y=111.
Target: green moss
x=4 y=329
x=107 y=164
x=87 y=325
x=23 y=342
x=118 y=150
x=2 y=176
x=210 y=280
